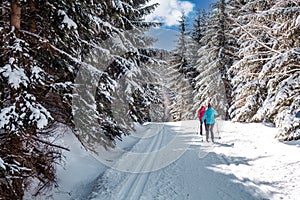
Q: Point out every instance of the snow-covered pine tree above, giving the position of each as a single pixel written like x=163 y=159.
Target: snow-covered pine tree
x=199 y=26
x=180 y=79
x=27 y=153
x=273 y=35
x=227 y=45
x=199 y=31
x=281 y=74
x=194 y=43
x=47 y=47
x=216 y=54
x=175 y=82
x=254 y=52
x=122 y=94
x=159 y=108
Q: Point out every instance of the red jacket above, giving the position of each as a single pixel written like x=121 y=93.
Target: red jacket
x=201 y=112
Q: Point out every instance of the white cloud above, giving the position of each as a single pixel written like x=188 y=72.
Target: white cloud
x=169 y=11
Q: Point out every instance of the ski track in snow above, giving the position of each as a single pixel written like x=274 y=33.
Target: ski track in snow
x=235 y=167
x=125 y=185
x=136 y=182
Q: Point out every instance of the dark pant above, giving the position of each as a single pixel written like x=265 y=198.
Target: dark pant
x=201 y=123
x=209 y=128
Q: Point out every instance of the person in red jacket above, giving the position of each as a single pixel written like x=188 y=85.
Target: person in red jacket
x=201 y=112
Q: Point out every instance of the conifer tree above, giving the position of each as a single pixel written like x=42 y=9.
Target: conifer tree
x=46 y=47
x=27 y=154
x=180 y=77
x=268 y=66
x=216 y=55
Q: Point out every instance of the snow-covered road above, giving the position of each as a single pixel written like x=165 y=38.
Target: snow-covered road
x=169 y=161
x=146 y=171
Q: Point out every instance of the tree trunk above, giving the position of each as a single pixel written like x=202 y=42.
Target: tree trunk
x=32 y=15
x=15 y=18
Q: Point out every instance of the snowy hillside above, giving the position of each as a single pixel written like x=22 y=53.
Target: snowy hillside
x=169 y=161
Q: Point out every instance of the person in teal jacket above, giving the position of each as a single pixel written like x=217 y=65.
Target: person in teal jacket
x=209 y=116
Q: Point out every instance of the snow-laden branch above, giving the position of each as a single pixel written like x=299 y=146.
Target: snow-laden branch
x=257 y=40
x=74 y=59
x=49 y=143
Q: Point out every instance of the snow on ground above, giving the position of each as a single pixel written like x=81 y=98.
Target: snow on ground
x=170 y=161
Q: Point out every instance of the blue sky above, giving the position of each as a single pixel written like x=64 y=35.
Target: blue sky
x=202 y=3
x=168 y=13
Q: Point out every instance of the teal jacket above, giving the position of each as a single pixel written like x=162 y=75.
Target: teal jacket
x=209 y=115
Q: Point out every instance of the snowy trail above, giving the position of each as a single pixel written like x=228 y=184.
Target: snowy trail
x=135 y=184
x=233 y=168
x=126 y=185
